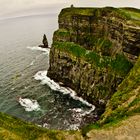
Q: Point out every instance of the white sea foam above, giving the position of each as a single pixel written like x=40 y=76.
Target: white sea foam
x=29 y=104
x=32 y=63
x=42 y=76
x=77 y=110
x=74 y=127
x=45 y=125
x=46 y=50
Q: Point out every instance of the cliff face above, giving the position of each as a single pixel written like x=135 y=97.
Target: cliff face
x=94 y=49
x=126 y=101
x=92 y=27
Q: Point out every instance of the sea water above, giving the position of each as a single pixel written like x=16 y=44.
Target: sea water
x=23 y=70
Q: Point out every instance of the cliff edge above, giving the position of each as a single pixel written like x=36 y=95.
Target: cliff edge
x=94 y=49
x=95 y=52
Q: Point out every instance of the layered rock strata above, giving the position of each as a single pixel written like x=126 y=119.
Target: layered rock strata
x=93 y=50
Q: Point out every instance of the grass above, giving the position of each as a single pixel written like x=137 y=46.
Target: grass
x=89 y=127
x=126 y=101
x=68 y=12
x=99 y=44
x=119 y=65
x=12 y=128
x=16 y=129
x=62 y=32
x=131 y=13
x=125 y=13
x=70 y=47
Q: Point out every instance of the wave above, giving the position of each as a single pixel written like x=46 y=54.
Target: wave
x=32 y=63
x=36 y=58
x=29 y=104
x=46 y=50
x=42 y=76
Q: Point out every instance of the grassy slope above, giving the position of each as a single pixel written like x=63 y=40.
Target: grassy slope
x=132 y=13
x=126 y=101
x=15 y=129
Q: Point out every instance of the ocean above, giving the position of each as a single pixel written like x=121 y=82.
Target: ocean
x=23 y=69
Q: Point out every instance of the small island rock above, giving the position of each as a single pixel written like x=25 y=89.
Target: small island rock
x=45 y=42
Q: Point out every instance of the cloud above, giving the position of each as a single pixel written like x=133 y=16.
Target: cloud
x=114 y=3
x=8 y=6
x=12 y=6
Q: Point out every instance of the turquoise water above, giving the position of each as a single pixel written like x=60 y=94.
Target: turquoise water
x=18 y=65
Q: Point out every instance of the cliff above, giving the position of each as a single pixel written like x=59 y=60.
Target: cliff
x=95 y=52
x=94 y=49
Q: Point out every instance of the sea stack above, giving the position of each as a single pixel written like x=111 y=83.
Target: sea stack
x=45 y=42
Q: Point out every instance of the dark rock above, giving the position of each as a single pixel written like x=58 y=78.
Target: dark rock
x=45 y=42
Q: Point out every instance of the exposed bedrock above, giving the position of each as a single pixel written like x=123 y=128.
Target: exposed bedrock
x=93 y=50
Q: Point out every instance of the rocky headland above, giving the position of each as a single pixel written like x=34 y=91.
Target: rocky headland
x=93 y=50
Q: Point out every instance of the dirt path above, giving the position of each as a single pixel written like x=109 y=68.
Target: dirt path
x=127 y=130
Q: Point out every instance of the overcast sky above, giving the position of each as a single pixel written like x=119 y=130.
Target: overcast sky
x=9 y=8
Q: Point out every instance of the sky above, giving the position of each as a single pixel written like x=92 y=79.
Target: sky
x=11 y=8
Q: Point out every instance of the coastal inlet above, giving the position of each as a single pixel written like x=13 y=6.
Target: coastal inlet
x=21 y=64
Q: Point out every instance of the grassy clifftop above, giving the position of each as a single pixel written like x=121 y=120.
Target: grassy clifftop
x=124 y=13
x=16 y=129
x=12 y=128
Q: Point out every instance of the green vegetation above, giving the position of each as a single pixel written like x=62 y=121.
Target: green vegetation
x=124 y=13
x=70 y=47
x=95 y=43
x=131 y=13
x=62 y=33
x=98 y=44
x=126 y=101
x=15 y=129
x=68 y=12
x=119 y=65
x=12 y=128
x=89 y=127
